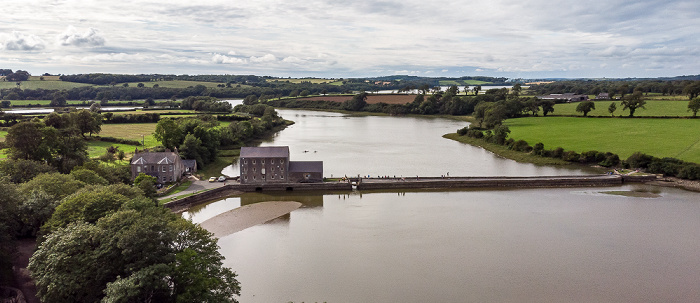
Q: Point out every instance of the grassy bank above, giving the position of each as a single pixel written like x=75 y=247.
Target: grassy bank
x=677 y=138
x=504 y=152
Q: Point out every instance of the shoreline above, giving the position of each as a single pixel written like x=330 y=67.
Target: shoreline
x=247 y=216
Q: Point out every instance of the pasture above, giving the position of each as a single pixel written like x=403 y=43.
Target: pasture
x=45 y=84
x=462 y=82
x=677 y=138
x=303 y=80
x=654 y=108
x=174 y=84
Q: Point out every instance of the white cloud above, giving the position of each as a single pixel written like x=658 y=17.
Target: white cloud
x=71 y=36
x=293 y=60
x=22 y=42
x=263 y=59
x=223 y=59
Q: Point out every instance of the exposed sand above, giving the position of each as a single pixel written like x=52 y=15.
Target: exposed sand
x=248 y=216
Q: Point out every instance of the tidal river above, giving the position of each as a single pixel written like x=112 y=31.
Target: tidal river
x=623 y=244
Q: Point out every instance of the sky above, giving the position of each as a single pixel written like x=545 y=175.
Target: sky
x=360 y=38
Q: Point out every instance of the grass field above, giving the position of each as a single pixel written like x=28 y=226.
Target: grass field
x=174 y=84
x=678 y=138
x=300 y=80
x=462 y=82
x=653 y=108
x=46 y=84
x=2 y=135
x=132 y=131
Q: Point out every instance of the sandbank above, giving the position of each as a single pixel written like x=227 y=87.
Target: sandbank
x=248 y=216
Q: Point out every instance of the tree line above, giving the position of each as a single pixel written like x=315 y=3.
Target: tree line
x=690 y=88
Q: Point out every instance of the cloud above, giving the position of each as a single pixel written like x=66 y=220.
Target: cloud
x=71 y=36
x=263 y=59
x=21 y=42
x=223 y=59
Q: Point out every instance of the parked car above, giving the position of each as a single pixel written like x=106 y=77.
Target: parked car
x=222 y=178
x=212 y=179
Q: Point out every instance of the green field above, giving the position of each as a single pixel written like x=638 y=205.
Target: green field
x=175 y=84
x=462 y=82
x=2 y=135
x=678 y=138
x=132 y=131
x=300 y=80
x=653 y=108
x=46 y=84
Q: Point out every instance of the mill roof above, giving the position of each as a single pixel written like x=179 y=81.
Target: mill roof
x=155 y=158
x=265 y=152
x=306 y=166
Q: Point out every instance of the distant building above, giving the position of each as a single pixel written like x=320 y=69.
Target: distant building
x=166 y=166
x=271 y=164
x=602 y=96
x=561 y=98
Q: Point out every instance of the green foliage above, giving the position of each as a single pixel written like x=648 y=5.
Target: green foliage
x=585 y=107
x=88 y=177
x=633 y=102
x=21 y=170
x=138 y=254
x=612 y=108
x=84 y=206
x=56 y=185
x=9 y=202
x=694 y=106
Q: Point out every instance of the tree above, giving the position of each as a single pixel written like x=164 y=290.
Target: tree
x=147 y=184
x=612 y=108
x=88 y=177
x=21 y=170
x=694 y=106
x=476 y=90
x=168 y=133
x=86 y=121
x=633 y=102
x=692 y=90
x=585 y=107
x=59 y=100
x=547 y=106
x=140 y=85
x=357 y=103
x=141 y=253
x=25 y=140
x=19 y=75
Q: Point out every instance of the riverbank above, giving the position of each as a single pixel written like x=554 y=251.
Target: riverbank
x=504 y=152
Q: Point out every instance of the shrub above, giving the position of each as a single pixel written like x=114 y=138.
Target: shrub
x=571 y=156
x=610 y=160
x=462 y=131
x=522 y=146
x=558 y=152
x=639 y=160
x=538 y=149
x=689 y=171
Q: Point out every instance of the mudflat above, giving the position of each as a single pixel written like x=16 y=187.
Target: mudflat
x=248 y=216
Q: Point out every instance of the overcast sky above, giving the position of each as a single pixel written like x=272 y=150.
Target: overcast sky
x=334 y=38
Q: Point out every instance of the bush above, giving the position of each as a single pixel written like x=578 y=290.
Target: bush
x=689 y=171
x=558 y=152
x=610 y=160
x=639 y=160
x=463 y=131
x=571 y=156
x=538 y=149
x=522 y=146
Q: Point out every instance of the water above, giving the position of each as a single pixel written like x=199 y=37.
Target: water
x=520 y=245
x=381 y=145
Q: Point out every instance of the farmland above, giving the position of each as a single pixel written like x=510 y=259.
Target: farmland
x=45 y=84
x=309 y=80
x=678 y=138
x=462 y=82
x=371 y=99
x=654 y=108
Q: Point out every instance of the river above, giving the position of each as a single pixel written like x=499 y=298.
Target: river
x=623 y=244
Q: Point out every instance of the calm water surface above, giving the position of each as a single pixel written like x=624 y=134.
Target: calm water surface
x=524 y=245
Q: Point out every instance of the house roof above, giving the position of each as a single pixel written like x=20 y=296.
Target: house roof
x=265 y=152
x=306 y=166
x=155 y=158
x=190 y=163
